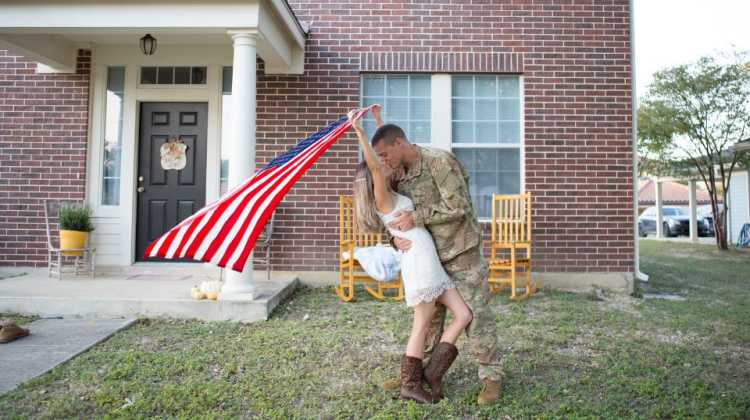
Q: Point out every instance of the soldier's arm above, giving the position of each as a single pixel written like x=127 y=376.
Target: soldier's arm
x=454 y=201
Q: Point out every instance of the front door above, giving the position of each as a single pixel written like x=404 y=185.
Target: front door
x=171 y=178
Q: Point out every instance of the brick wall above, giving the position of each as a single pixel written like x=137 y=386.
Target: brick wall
x=575 y=59
x=43 y=129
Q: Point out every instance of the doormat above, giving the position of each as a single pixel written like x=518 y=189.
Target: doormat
x=149 y=276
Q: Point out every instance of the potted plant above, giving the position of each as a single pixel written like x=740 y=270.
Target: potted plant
x=75 y=225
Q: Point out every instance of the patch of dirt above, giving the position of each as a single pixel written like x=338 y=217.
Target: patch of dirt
x=579 y=347
x=713 y=254
x=734 y=353
x=620 y=302
x=669 y=336
x=693 y=255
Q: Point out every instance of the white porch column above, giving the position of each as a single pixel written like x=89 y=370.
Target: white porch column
x=659 y=215
x=693 y=212
x=242 y=146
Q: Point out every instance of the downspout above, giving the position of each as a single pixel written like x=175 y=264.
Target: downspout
x=634 y=140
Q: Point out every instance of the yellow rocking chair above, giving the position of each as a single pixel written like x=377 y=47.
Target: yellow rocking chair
x=510 y=246
x=350 y=272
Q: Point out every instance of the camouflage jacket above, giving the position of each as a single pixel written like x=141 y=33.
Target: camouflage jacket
x=438 y=185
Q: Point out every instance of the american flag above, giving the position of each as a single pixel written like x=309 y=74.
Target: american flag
x=224 y=232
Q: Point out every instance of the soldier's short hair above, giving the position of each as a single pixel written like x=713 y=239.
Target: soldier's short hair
x=387 y=133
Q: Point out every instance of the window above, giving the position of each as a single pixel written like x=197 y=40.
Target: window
x=406 y=102
x=173 y=75
x=226 y=121
x=484 y=131
x=113 y=136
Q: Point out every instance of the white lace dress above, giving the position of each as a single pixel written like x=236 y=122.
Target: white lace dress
x=423 y=274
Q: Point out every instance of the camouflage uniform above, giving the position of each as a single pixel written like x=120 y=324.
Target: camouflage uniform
x=438 y=185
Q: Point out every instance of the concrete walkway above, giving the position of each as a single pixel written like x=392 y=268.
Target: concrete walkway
x=52 y=342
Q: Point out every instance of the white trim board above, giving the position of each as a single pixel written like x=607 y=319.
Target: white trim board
x=114 y=237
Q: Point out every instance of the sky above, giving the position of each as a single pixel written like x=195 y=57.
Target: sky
x=674 y=32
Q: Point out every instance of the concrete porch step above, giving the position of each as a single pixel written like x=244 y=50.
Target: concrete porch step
x=136 y=294
x=146 y=268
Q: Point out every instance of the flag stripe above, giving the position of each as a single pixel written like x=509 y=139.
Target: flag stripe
x=224 y=232
x=212 y=216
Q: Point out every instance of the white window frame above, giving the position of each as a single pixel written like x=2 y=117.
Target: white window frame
x=385 y=96
x=172 y=85
x=441 y=123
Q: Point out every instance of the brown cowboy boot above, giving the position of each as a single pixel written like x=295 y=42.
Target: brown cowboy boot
x=490 y=392
x=411 y=380
x=441 y=360
x=394 y=383
x=11 y=331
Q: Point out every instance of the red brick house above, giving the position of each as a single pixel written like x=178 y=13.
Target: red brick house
x=530 y=96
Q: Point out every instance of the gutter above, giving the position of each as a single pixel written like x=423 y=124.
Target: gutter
x=302 y=28
x=634 y=140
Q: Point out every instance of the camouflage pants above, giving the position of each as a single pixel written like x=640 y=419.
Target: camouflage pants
x=469 y=271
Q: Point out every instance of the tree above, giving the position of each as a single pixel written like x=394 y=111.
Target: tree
x=688 y=121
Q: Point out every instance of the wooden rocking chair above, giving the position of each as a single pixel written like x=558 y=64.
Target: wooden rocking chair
x=350 y=271
x=510 y=246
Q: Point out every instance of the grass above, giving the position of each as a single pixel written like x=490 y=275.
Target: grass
x=567 y=356
x=18 y=319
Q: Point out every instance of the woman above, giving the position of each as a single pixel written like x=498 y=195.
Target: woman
x=425 y=280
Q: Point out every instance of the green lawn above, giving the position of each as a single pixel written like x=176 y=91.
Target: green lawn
x=568 y=355
x=18 y=319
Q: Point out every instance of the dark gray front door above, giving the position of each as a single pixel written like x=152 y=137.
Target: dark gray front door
x=167 y=196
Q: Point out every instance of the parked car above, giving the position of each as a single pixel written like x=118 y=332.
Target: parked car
x=641 y=232
x=704 y=213
x=676 y=221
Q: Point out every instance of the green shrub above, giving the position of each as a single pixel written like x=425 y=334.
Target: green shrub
x=75 y=217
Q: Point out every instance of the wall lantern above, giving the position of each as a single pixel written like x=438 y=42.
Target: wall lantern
x=148 y=44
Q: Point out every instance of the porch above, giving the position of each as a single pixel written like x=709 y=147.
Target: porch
x=209 y=54
x=147 y=290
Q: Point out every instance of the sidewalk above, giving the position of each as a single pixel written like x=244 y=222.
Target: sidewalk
x=52 y=342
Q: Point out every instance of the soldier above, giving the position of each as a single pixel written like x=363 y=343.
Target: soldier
x=438 y=185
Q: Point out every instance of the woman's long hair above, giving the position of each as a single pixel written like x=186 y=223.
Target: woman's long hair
x=365 y=210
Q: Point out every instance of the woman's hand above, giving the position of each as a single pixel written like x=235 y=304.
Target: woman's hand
x=355 y=120
x=401 y=244
x=376 y=109
x=402 y=221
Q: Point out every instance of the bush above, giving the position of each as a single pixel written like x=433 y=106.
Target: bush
x=75 y=217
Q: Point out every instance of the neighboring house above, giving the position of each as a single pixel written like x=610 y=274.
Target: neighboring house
x=530 y=97
x=672 y=193
x=738 y=205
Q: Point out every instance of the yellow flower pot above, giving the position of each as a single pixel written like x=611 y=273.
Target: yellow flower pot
x=72 y=239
